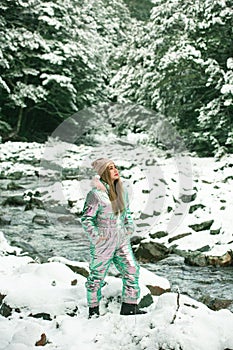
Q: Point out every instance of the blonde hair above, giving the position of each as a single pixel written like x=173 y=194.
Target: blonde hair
x=115 y=192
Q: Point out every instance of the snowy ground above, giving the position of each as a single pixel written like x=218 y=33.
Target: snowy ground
x=33 y=288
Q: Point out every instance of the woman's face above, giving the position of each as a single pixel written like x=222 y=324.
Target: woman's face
x=114 y=174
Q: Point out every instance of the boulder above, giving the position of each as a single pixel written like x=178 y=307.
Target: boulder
x=13 y=186
x=187 y=198
x=215 y=232
x=151 y=252
x=182 y=235
x=205 y=225
x=223 y=260
x=195 y=207
x=215 y=303
x=14 y=201
x=158 y=234
x=41 y=220
x=198 y=259
x=4 y=220
x=195 y=259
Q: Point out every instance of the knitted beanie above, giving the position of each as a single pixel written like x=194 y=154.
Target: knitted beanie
x=101 y=164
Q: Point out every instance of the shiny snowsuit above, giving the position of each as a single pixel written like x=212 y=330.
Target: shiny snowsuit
x=98 y=220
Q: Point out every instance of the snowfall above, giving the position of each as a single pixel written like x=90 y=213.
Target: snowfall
x=173 y=321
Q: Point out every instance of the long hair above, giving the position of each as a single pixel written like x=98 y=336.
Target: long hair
x=115 y=192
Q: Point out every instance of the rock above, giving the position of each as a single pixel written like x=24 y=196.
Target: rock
x=223 y=260
x=205 y=225
x=71 y=203
x=182 y=235
x=215 y=303
x=187 y=198
x=156 y=290
x=43 y=315
x=13 y=186
x=80 y=270
x=146 y=300
x=5 y=310
x=41 y=220
x=2 y=296
x=198 y=259
x=14 y=201
x=205 y=248
x=145 y=216
x=143 y=224
x=230 y=177
x=163 y=181
x=34 y=203
x=42 y=341
x=195 y=259
x=4 y=220
x=136 y=240
x=74 y=282
x=195 y=207
x=28 y=248
x=158 y=234
x=215 y=232
x=17 y=175
x=73 y=312
x=151 y=252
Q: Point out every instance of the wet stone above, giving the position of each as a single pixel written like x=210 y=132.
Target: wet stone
x=182 y=235
x=158 y=234
x=205 y=225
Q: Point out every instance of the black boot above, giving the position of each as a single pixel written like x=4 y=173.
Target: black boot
x=131 y=309
x=94 y=311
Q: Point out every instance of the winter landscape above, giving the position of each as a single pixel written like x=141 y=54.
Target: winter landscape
x=43 y=298
x=149 y=84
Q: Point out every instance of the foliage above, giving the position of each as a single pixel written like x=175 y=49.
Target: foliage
x=53 y=59
x=180 y=65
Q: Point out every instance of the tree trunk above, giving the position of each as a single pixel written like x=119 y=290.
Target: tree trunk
x=19 y=122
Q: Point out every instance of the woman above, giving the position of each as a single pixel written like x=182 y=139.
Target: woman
x=108 y=223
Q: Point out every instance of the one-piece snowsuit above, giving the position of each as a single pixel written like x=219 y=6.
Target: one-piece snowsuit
x=98 y=220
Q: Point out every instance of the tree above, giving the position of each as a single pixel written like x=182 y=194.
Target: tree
x=180 y=65
x=54 y=59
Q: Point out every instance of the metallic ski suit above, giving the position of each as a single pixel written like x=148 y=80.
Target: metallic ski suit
x=98 y=220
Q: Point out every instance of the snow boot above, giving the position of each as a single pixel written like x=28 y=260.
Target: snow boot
x=94 y=311
x=131 y=309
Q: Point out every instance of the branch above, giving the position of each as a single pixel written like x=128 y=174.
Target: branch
x=178 y=305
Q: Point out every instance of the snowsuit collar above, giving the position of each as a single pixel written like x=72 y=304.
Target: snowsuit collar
x=100 y=184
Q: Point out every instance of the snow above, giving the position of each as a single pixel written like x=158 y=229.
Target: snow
x=227 y=89
x=46 y=288
x=35 y=288
x=153 y=188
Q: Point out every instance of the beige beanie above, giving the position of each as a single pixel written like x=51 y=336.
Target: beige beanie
x=101 y=164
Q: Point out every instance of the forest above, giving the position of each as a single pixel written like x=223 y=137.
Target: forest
x=172 y=57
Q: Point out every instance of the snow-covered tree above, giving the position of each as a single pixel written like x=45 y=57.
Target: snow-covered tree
x=180 y=65
x=54 y=58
